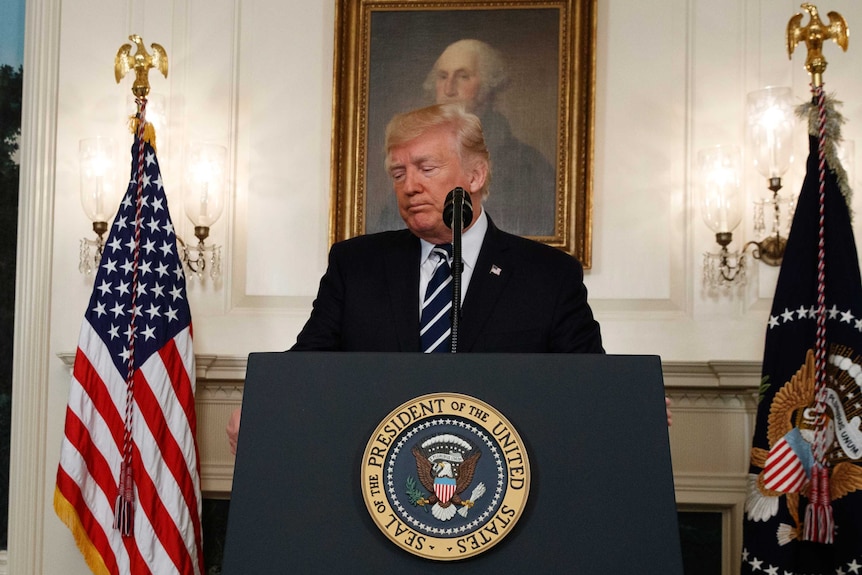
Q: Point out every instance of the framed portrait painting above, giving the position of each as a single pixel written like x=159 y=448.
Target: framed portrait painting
x=526 y=68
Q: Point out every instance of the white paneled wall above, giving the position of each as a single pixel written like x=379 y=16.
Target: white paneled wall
x=256 y=77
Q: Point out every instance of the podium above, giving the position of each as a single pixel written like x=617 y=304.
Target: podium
x=601 y=499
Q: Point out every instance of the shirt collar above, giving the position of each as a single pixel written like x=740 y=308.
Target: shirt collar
x=471 y=242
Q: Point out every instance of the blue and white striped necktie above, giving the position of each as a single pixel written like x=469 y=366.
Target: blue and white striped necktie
x=435 y=325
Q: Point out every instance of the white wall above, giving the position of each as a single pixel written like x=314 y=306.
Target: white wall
x=256 y=77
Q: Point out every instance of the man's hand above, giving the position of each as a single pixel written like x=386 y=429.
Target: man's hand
x=232 y=428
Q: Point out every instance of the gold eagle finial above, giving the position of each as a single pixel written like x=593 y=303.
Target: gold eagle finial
x=814 y=35
x=140 y=62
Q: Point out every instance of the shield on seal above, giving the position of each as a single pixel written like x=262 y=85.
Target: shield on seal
x=444 y=488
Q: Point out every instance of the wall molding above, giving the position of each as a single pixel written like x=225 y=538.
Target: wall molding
x=740 y=375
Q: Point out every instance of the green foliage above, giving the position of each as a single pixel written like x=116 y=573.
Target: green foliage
x=11 y=85
x=414 y=494
x=764 y=387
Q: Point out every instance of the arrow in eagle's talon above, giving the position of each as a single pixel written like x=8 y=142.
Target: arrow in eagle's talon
x=478 y=491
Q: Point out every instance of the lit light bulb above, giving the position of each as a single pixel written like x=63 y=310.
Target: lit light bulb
x=721 y=192
x=770 y=130
x=205 y=182
x=100 y=196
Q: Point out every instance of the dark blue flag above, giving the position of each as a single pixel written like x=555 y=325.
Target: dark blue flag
x=783 y=463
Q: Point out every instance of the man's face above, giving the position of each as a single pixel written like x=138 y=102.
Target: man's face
x=424 y=171
x=457 y=78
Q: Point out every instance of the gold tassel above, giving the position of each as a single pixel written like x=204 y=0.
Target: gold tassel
x=149 y=131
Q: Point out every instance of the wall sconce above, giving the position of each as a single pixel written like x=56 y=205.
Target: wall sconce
x=770 y=121
x=770 y=143
x=204 y=196
x=719 y=170
x=100 y=196
x=203 y=199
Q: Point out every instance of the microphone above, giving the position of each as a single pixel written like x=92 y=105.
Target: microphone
x=457 y=198
x=457 y=212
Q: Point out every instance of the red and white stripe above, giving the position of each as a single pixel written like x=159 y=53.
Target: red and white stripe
x=783 y=471
x=444 y=490
x=167 y=530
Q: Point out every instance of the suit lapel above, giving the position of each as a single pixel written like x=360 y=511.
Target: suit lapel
x=493 y=269
x=402 y=283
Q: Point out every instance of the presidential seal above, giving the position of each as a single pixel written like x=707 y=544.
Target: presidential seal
x=445 y=476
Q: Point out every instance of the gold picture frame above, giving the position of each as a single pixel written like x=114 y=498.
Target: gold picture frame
x=385 y=51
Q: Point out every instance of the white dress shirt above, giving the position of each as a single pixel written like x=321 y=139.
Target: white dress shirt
x=471 y=243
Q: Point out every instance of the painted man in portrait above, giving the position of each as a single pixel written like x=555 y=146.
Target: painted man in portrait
x=523 y=190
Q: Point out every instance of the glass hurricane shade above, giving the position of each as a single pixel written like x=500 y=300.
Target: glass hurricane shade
x=204 y=183
x=100 y=196
x=719 y=173
x=770 y=121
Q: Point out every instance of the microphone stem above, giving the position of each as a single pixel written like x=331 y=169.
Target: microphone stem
x=457 y=265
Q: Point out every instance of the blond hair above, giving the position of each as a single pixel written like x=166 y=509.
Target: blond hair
x=466 y=127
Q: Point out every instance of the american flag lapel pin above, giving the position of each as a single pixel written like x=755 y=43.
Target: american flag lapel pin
x=495 y=270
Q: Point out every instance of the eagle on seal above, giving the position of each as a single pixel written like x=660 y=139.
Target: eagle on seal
x=445 y=465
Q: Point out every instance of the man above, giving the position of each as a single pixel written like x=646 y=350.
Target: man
x=518 y=295
x=473 y=73
x=470 y=72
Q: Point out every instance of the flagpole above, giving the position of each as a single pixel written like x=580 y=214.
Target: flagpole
x=141 y=62
x=819 y=523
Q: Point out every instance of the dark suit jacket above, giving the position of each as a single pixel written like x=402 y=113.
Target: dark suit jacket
x=523 y=297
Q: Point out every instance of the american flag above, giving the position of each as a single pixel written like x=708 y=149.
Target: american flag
x=135 y=346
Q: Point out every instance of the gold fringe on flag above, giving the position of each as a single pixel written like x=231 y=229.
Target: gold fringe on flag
x=66 y=512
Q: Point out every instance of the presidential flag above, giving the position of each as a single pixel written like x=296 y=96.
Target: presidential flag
x=803 y=512
x=128 y=482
